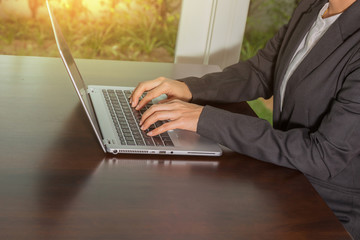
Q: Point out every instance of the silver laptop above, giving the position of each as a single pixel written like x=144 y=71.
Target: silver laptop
x=116 y=124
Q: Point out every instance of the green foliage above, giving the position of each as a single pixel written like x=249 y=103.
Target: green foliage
x=137 y=31
x=18 y=36
x=261 y=110
x=264 y=20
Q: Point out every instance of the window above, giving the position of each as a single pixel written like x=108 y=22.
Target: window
x=142 y=30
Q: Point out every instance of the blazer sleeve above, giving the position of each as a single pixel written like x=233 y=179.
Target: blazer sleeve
x=323 y=153
x=246 y=80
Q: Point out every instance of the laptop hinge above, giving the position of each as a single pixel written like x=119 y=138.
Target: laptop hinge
x=105 y=142
x=108 y=142
x=90 y=90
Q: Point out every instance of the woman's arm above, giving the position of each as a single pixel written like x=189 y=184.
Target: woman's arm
x=323 y=153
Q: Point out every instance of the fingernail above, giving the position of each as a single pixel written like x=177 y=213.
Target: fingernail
x=150 y=134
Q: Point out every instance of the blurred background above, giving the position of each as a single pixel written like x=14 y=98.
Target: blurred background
x=141 y=30
x=135 y=30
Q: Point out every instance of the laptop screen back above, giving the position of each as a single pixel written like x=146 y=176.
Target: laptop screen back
x=73 y=71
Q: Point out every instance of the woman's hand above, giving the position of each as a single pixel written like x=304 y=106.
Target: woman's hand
x=181 y=115
x=154 y=88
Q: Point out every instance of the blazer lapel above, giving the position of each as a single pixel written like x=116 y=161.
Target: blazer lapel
x=297 y=31
x=331 y=40
x=293 y=40
x=342 y=28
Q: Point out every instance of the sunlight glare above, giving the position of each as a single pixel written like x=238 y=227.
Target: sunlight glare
x=95 y=5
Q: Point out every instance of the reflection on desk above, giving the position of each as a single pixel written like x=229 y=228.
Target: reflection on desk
x=161 y=163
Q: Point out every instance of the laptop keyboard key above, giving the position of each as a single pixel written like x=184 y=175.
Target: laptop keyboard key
x=158 y=141
x=169 y=143
x=132 y=143
x=149 y=142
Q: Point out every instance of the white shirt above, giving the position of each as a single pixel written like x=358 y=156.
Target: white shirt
x=317 y=30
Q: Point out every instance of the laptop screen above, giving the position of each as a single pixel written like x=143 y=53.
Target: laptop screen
x=73 y=71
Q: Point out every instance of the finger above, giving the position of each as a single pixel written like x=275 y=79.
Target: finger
x=153 y=109
x=165 y=127
x=158 y=116
x=154 y=93
x=141 y=88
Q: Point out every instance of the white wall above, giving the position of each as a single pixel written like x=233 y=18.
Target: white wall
x=211 y=31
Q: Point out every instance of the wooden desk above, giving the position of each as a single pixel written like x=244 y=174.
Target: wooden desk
x=56 y=183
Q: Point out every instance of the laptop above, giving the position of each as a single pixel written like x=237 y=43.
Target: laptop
x=116 y=124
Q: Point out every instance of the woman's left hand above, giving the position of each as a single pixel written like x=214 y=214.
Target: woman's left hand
x=181 y=115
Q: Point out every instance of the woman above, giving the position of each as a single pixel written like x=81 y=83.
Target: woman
x=312 y=68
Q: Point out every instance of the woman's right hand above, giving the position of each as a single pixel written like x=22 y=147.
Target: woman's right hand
x=154 y=88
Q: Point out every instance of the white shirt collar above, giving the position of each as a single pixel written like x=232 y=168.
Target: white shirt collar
x=328 y=19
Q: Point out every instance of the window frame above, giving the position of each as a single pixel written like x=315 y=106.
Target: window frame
x=211 y=31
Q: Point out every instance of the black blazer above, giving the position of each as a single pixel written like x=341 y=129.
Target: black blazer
x=318 y=130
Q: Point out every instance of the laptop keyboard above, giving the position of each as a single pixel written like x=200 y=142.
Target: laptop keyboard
x=127 y=119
